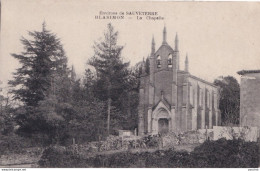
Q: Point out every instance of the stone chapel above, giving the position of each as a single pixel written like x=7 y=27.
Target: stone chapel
x=173 y=100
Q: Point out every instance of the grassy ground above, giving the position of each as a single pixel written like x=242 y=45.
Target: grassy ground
x=30 y=165
x=28 y=158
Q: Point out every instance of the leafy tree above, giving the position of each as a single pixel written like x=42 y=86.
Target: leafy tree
x=111 y=70
x=147 y=65
x=229 y=101
x=88 y=121
x=89 y=84
x=129 y=100
x=6 y=113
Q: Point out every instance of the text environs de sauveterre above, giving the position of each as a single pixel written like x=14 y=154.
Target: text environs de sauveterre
x=121 y=15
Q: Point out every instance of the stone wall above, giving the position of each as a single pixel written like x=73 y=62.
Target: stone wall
x=246 y=133
x=185 y=138
x=250 y=100
x=200 y=135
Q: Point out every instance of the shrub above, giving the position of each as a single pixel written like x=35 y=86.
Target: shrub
x=226 y=153
x=58 y=156
x=220 y=153
x=14 y=144
x=151 y=141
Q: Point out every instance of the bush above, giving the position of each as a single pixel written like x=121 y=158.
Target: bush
x=14 y=144
x=151 y=141
x=58 y=156
x=220 y=153
x=226 y=153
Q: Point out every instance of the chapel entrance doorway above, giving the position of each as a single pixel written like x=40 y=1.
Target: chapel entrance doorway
x=163 y=125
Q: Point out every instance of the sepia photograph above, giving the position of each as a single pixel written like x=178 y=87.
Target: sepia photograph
x=129 y=84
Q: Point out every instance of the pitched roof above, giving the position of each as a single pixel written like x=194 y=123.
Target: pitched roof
x=165 y=102
x=248 y=72
x=201 y=80
x=165 y=45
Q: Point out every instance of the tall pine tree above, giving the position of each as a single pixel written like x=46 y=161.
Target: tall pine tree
x=42 y=59
x=111 y=70
x=41 y=83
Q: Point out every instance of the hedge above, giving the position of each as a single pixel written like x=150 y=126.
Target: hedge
x=217 y=154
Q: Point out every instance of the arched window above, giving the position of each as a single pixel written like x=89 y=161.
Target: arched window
x=170 y=61
x=158 y=61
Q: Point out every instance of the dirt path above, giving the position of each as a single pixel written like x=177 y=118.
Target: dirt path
x=28 y=165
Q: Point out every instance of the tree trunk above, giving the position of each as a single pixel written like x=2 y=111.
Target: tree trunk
x=129 y=110
x=108 y=115
x=108 y=107
x=128 y=104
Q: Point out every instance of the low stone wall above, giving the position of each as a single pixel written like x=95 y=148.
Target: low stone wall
x=199 y=136
x=151 y=141
x=155 y=141
x=189 y=137
x=111 y=143
x=247 y=133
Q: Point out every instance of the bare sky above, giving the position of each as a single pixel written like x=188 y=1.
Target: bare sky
x=220 y=38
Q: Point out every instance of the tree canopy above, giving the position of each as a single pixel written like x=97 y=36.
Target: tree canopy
x=229 y=102
x=112 y=73
x=43 y=57
x=57 y=106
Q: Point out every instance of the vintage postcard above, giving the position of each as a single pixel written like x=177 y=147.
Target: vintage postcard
x=129 y=84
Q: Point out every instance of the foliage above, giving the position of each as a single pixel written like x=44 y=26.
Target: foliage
x=6 y=114
x=227 y=153
x=229 y=99
x=56 y=156
x=108 y=63
x=147 y=66
x=88 y=121
x=56 y=107
x=43 y=57
x=114 y=82
x=15 y=144
x=42 y=85
x=152 y=141
x=219 y=154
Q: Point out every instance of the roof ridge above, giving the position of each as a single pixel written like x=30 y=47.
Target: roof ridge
x=248 y=71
